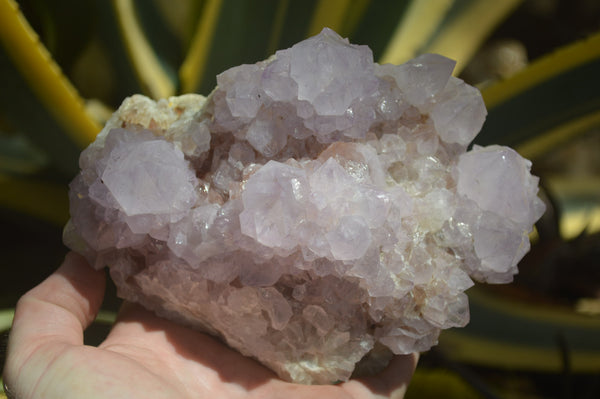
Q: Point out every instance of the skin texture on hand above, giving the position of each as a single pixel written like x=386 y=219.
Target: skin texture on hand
x=144 y=356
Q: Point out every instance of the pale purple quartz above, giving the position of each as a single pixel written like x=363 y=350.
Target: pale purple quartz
x=315 y=209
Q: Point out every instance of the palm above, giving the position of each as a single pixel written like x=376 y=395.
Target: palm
x=143 y=356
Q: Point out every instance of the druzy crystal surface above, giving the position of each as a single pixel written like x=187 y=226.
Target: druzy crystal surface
x=316 y=209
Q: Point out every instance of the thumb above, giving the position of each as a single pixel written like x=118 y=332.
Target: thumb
x=52 y=315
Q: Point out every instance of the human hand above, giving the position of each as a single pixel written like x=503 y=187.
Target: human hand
x=144 y=356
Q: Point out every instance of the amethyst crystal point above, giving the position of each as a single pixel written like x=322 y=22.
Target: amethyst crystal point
x=314 y=209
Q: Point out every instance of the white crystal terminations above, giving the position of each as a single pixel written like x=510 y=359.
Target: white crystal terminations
x=316 y=206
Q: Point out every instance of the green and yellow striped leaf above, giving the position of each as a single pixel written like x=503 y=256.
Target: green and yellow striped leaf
x=37 y=99
x=516 y=335
x=549 y=102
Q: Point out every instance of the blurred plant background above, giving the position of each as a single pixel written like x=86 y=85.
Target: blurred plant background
x=65 y=65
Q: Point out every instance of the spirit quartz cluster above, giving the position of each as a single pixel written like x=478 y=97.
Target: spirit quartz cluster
x=315 y=209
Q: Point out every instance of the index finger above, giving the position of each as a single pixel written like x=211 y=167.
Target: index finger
x=390 y=383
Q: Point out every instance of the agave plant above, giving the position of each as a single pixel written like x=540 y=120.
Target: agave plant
x=65 y=65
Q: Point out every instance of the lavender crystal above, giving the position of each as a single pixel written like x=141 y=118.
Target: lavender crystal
x=314 y=207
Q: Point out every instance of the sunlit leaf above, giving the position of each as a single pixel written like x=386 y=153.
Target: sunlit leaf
x=519 y=335
x=63 y=26
x=552 y=100
x=193 y=68
x=106 y=317
x=22 y=49
x=6 y=318
x=235 y=40
x=281 y=12
x=418 y=24
x=378 y=23
x=180 y=17
x=579 y=198
x=544 y=69
x=559 y=134
x=149 y=69
x=339 y=15
x=465 y=28
x=354 y=16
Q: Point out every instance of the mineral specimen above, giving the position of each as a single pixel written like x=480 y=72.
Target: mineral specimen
x=316 y=207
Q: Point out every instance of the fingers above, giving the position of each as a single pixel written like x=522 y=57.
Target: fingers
x=59 y=309
x=391 y=383
x=173 y=345
x=153 y=338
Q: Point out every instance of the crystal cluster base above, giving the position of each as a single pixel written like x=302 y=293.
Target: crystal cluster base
x=316 y=208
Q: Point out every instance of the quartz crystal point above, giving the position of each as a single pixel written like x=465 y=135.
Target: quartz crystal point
x=315 y=209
